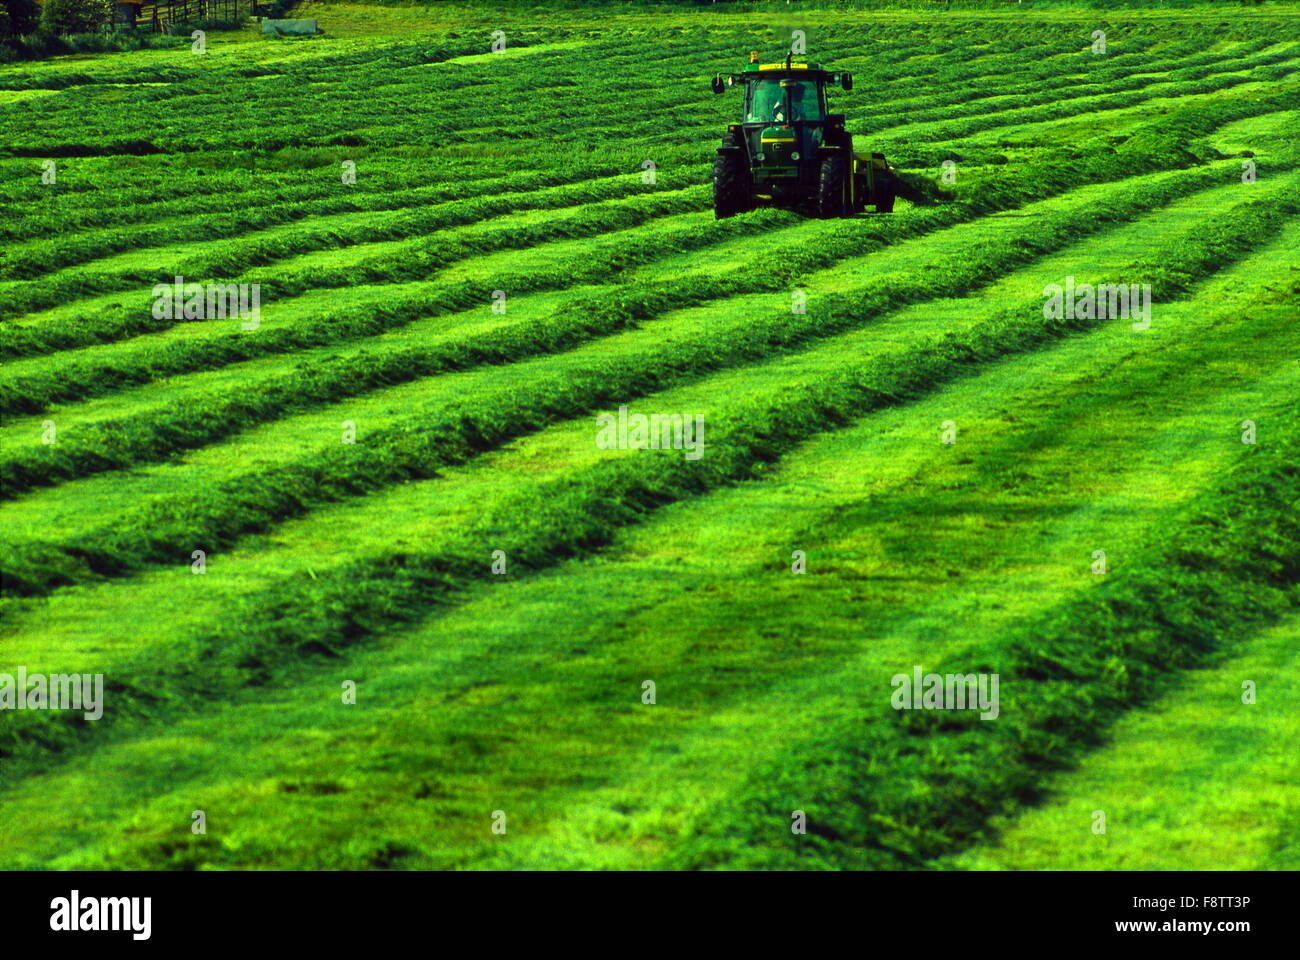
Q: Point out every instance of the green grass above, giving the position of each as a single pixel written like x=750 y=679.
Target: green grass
x=1200 y=781
x=817 y=501
x=624 y=365
x=371 y=562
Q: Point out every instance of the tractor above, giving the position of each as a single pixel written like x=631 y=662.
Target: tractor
x=788 y=151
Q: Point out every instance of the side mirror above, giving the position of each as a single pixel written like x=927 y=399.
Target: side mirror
x=846 y=81
x=718 y=85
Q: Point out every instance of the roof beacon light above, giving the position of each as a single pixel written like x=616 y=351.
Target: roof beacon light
x=753 y=56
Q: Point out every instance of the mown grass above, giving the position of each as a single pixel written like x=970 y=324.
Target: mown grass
x=1200 y=781
x=47 y=381
x=1066 y=675
x=329 y=562
x=240 y=255
x=465 y=428
x=701 y=599
x=566 y=515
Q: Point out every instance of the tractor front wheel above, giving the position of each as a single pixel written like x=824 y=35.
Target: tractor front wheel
x=731 y=187
x=832 y=188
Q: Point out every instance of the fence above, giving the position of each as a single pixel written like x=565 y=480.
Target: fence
x=160 y=15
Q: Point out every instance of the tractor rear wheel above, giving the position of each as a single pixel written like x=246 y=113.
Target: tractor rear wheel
x=731 y=186
x=832 y=188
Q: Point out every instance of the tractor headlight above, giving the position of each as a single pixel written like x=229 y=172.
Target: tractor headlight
x=759 y=157
x=794 y=154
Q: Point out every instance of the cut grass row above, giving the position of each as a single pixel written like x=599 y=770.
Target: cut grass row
x=447 y=434
x=132 y=364
x=163 y=184
x=268 y=124
x=234 y=191
x=708 y=113
x=1198 y=781
x=701 y=125
x=367 y=83
x=928 y=144
x=1020 y=94
x=202 y=419
x=31 y=386
x=1076 y=106
x=21 y=266
x=383 y=58
x=1156 y=149
x=582 y=511
x=62 y=293
x=407 y=212
x=380 y=65
x=646 y=612
x=230 y=261
x=432 y=105
x=1228 y=564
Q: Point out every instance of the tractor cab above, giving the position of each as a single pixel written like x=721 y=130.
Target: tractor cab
x=784 y=139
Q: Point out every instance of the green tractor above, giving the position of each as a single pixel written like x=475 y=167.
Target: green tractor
x=788 y=151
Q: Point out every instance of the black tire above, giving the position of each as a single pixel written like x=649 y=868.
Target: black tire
x=731 y=186
x=859 y=192
x=831 y=188
x=886 y=190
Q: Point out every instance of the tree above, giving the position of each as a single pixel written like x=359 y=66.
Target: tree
x=18 y=17
x=75 y=16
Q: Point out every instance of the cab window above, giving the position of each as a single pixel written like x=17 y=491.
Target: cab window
x=766 y=101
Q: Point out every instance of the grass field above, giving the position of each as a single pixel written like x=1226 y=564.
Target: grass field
x=366 y=589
